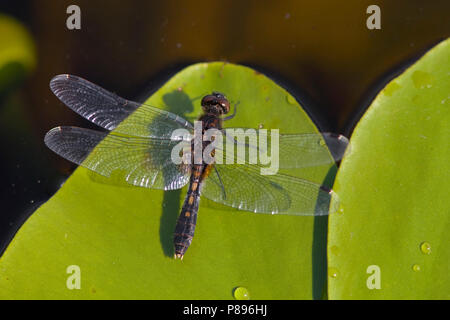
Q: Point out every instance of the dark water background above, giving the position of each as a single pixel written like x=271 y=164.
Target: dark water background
x=321 y=51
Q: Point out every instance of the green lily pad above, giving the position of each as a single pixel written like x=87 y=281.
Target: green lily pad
x=121 y=236
x=394 y=216
x=17 y=53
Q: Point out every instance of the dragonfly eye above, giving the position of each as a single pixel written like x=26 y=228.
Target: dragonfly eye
x=209 y=100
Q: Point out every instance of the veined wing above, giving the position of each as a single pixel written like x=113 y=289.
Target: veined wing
x=140 y=161
x=294 y=150
x=108 y=110
x=243 y=187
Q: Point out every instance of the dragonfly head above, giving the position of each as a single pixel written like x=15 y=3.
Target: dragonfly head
x=215 y=103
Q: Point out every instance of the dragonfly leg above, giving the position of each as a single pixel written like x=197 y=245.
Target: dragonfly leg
x=221 y=184
x=235 y=142
x=234 y=113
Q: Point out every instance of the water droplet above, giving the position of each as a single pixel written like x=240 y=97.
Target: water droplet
x=341 y=210
x=322 y=142
x=334 y=250
x=416 y=267
x=31 y=201
x=333 y=272
x=241 y=293
x=425 y=247
x=422 y=79
x=391 y=88
x=290 y=99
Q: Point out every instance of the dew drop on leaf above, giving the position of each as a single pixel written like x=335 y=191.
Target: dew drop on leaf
x=416 y=267
x=333 y=272
x=425 y=247
x=241 y=293
x=290 y=99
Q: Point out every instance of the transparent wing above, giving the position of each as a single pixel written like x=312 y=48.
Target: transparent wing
x=108 y=110
x=243 y=187
x=294 y=150
x=143 y=162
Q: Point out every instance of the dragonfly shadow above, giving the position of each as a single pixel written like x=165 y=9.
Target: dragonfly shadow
x=179 y=103
x=319 y=247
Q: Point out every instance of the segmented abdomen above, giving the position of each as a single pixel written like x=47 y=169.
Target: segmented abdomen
x=185 y=227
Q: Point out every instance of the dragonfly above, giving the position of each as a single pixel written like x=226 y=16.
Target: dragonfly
x=138 y=146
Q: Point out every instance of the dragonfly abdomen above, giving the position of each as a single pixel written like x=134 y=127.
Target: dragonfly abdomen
x=185 y=227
